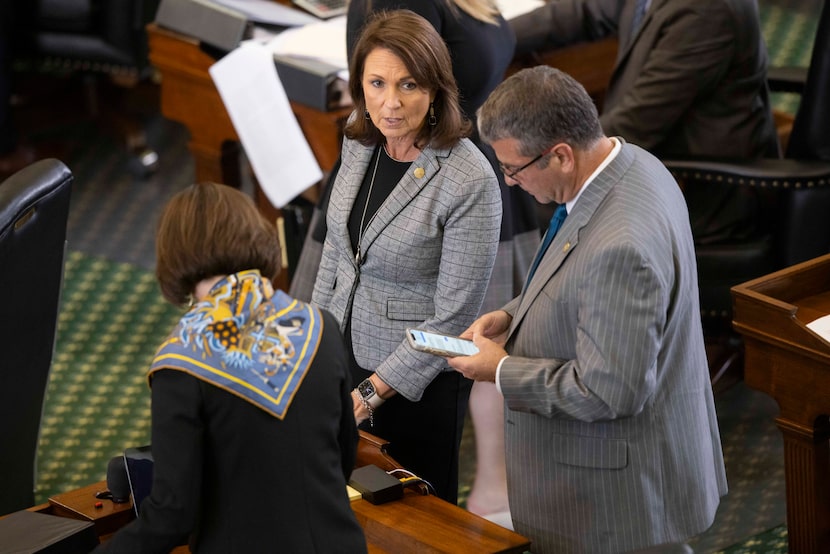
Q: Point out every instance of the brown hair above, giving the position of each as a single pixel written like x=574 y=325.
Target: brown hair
x=415 y=41
x=207 y=230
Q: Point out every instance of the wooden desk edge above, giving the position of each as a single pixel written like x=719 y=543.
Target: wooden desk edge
x=388 y=527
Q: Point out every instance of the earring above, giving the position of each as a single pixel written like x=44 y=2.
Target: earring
x=433 y=121
x=366 y=114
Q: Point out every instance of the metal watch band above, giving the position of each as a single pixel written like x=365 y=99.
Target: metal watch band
x=367 y=392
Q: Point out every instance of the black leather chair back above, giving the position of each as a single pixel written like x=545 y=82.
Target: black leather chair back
x=34 y=205
x=809 y=138
x=105 y=36
x=786 y=219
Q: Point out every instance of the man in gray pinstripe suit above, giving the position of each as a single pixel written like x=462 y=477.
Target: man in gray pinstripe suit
x=611 y=436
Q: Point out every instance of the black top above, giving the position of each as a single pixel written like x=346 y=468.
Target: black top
x=389 y=172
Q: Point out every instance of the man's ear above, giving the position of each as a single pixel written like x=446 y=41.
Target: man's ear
x=565 y=154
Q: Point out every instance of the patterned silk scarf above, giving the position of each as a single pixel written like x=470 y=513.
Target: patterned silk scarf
x=247 y=339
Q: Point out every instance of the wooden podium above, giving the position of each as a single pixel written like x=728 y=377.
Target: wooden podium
x=791 y=363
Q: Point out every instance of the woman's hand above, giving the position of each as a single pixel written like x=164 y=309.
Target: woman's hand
x=361 y=414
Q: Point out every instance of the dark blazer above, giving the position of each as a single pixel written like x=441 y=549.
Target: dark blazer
x=244 y=481
x=611 y=434
x=691 y=81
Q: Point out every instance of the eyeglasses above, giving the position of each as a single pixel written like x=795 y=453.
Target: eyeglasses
x=511 y=173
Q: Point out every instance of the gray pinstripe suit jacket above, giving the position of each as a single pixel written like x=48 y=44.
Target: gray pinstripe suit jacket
x=427 y=258
x=611 y=436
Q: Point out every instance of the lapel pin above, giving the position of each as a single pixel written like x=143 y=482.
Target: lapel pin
x=566 y=247
x=419 y=172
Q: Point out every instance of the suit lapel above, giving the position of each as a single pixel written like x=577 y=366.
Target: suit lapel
x=567 y=239
x=626 y=39
x=404 y=192
x=356 y=159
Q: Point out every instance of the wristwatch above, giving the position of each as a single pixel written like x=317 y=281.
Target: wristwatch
x=367 y=392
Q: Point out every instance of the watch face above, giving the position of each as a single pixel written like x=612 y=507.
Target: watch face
x=366 y=388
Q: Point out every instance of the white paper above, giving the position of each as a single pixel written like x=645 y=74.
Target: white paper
x=267 y=11
x=324 y=41
x=255 y=99
x=514 y=8
x=821 y=327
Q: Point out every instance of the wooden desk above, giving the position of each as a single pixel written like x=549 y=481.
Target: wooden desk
x=792 y=364
x=415 y=523
x=189 y=96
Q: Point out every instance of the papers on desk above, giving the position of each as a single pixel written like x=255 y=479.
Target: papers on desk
x=514 y=8
x=324 y=41
x=270 y=12
x=353 y=493
x=261 y=114
x=821 y=327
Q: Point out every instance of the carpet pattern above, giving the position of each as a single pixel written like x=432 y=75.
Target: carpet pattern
x=111 y=321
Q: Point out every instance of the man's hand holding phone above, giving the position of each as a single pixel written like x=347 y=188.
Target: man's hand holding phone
x=440 y=345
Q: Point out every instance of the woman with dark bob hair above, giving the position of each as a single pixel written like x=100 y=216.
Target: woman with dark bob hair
x=412 y=233
x=253 y=435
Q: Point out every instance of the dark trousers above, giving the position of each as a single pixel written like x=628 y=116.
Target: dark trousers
x=425 y=436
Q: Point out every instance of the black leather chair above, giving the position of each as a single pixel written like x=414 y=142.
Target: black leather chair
x=34 y=205
x=790 y=198
x=97 y=38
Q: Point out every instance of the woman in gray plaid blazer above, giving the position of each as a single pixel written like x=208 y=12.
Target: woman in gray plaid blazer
x=413 y=230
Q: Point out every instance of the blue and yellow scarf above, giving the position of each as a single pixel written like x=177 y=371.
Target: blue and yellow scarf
x=247 y=339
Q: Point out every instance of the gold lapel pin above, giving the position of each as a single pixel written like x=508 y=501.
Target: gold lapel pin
x=419 y=172
x=566 y=247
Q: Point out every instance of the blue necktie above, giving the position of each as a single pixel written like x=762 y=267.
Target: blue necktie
x=559 y=216
x=639 y=12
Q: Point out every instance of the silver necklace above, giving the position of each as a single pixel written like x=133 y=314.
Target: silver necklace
x=362 y=229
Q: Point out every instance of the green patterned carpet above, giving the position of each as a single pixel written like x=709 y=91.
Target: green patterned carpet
x=112 y=318
x=789 y=27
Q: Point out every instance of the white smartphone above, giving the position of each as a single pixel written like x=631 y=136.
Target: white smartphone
x=440 y=345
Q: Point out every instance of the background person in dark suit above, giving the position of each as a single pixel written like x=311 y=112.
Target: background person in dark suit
x=413 y=230
x=252 y=428
x=611 y=433
x=689 y=78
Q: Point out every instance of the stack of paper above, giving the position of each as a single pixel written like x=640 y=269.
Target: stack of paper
x=324 y=40
x=514 y=8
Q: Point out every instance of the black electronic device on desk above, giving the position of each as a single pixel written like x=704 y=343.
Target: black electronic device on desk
x=139 y=465
x=324 y=9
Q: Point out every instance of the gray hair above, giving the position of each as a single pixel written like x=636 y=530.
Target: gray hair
x=540 y=106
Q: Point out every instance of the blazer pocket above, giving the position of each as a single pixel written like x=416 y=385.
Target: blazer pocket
x=410 y=310
x=590 y=452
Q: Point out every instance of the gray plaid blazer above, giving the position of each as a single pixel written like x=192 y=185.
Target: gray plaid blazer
x=427 y=258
